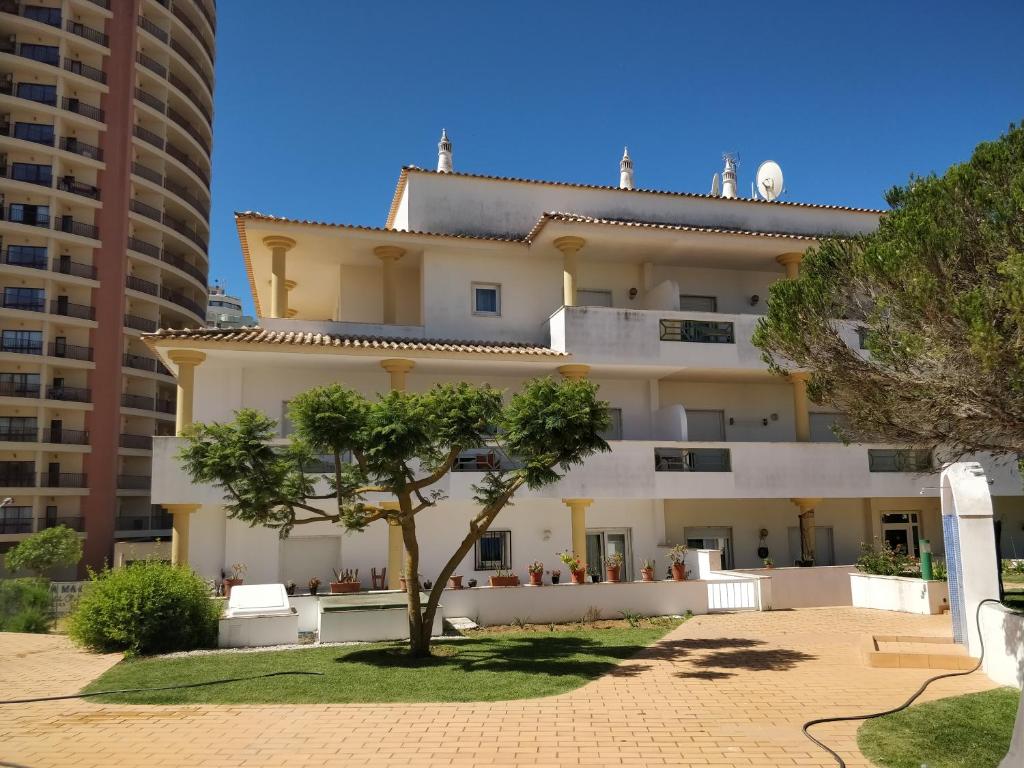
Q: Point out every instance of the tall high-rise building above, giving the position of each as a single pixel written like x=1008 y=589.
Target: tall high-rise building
x=105 y=137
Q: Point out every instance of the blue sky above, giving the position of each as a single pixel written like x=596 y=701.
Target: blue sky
x=317 y=108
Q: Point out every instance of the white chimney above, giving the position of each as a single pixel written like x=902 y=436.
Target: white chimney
x=729 y=177
x=444 y=153
x=626 y=170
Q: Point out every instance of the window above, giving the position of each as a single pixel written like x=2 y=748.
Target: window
x=49 y=16
x=48 y=54
x=486 y=299
x=594 y=298
x=899 y=460
x=688 y=303
x=35 y=215
x=902 y=531
x=18 y=428
x=33 y=173
x=16 y=519
x=494 y=551
x=43 y=94
x=700 y=331
x=692 y=460
x=27 y=256
x=30 y=342
x=614 y=431
x=32 y=299
x=34 y=132
x=705 y=426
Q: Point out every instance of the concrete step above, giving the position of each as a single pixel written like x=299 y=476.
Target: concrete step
x=916 y=652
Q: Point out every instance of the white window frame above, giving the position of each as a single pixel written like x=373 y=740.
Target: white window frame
x=496 y=287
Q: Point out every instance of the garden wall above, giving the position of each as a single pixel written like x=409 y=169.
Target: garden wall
x=817 y=587
x=899 y=593
x=1002 y=631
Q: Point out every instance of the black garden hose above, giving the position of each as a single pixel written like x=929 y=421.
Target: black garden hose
x=839 y=761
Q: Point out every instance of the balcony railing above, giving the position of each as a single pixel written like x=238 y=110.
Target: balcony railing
x=17 y=388
x=140 y=323
x=86 y=110
x=141 y=246
x=93 y=35
x=26 y=305
x=141 y=402
x=187 y=23
x=699 y=331
x=188 y=162
x=78 y=188
x=191 y=60
x=66 y=436
x=899 y=460
x=148 y=98
x=19 y=259
x=144 y=209
x=483 y=460
x=147 y=173
x=69 y=351
x=19 y=435
x=190 y=129
x=151 y=64
x=68 y=394
x=692 y=460
x=63 y=480
x=182 y=86
x=74 y=522
x=139 y=442
x=165 y=406
x=143 y=286
x=194 y=200
x=17 y=216
x=69 y=309
x=157 y=520
x=148 y=136
x=79 y=147
x=72 y=227
x=133 y=482
x=78 y=68
x=153 y=29
x=182 y=301
x=18 y=479
x=22 y=348
x=139 y=362
x=66 y=266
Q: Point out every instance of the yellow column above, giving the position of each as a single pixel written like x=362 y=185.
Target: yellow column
x=181 y=516
x=186 y=360
x=396 y=550
x=574 y=372
x=791 y=261
x=570 y=248
x=806 y=518
x=801 y=408
x=397 y=368
x=578 y=512
x=278 y=246
x=389 y=256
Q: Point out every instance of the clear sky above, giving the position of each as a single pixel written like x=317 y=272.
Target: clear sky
x=320 y=102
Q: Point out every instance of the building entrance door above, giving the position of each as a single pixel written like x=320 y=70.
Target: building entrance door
x=607 y=541
x=902 y=530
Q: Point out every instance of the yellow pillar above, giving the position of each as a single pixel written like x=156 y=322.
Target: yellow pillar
x=397 y=368
x=806 y=518
x=389 y=256
x=181 y=515
x=186 y=360
x=278 y=246
x=578 y=513
x=791 y=261
x=801 y=408
x=574 y=372
x=570 y=248
x=396 y=550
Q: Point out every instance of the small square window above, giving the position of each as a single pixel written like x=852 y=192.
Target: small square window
x=486 y=299
x=494 y=551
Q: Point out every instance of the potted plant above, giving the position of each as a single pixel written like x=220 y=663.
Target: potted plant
x=556 y=576
x=575 y=565
x=237 y=572
x=455 y=581
x=503 y=578
x=769 y=563
x=345 y=581
x=289 y=587
x=536 y=570
x=647 y=570
x=471 y=583
x=677 y=556
x=314 y=585
x=428 y=584
x=613 y=566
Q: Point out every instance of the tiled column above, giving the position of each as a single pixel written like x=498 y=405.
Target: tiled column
x=574 y=372
x=181 y=515
x=389 y=256
x=570 y=248
x=578 y=511
x=801 y=406
x=186 y=360
x=278 y=246
x=791 y=261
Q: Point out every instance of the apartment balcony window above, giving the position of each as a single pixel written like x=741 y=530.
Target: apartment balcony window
x=140 y=442
x=78 y=147
x=28 y=299
x=66 y=266
x=151 y=64
x=182 y=301
x=32 y=215
x=52 y=520
x=899 y=460
x=47 y=54
x=158 y=519
x=31 y=256
x=85 y=110
x=78 y=68
x=33 y=173
x=17 y=474
x=133 y=482
x=42 y=14
x=141 y=246
x=16 y=519
x=61 y=306
x=140 y=323
x=153 y=29
x=41 y=94
x=699 y=331
x=139 y=362
x=147 y=173
x=144 y=209
x=143 y=286
x=19 y=429
x=63 y=436
x=141 y=402
x=54 y=478
x=692 y=460
x=69 y=184
x=72 y=227
x=22 y=342
x=164 y=406
x=93 y=35
x=61 y=348
x=37 y=133
x=60 y=391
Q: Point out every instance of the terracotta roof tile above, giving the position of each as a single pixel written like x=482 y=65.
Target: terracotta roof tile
x=578 y=218
x=257 y=216
x=257 y=335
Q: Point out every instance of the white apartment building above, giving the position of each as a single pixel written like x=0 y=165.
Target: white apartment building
x=224 y=310
x=651 y=294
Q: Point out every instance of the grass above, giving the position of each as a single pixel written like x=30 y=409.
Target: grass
x=483 y=667
x=971 y=731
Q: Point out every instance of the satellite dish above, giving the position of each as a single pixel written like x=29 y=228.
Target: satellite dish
x=769 y=180
x=716 y=189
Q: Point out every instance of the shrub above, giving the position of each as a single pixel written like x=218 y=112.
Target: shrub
x=885 y=561
x=146 y=607
x=46 y=549
x=24 y=605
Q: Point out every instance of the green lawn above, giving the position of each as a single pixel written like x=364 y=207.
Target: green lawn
x=971 y=731
x=484 y=667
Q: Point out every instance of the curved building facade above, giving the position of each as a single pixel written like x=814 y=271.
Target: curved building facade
x=105 y=138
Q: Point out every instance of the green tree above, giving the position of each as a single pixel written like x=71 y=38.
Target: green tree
x=396 y=448
x=49 y=548
x=937 y=295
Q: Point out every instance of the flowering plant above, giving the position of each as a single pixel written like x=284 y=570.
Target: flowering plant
x=677 y=553
x=535 y=567
x=614 y=560
x=238 y=570
x=572 y=561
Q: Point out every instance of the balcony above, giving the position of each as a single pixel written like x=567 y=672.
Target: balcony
x=90 y=34
x=899 y=460
x=188 y=162
x=133 y=482
x=63 y=480
x=143 y=286
x=16 y=522
x=18 y=479
x=150 y=100
x=148 y=136
x=67 y=351
x=48 y=16
x=26 y=304
x=68 y=184
x=22 y=348
x=85 y=110
x=79 y=147
x=157 y=32
x=199 y=36
x=74 y=522
x=19 y=435
x=151 y=64
x=78 y=68
x=69 y=394
x=158 y=520
x=69 y=309
x=31 y=260
x=63 y=436
x=140 y=323
x=30 y=218
x=692 y=460
x=72 y=227
x=18 y=389
x=65 y=266
x=179 y=262
x=137 y=442
x=182 y=301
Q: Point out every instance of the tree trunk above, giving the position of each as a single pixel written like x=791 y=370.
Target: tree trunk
x=419 y=641
x=807 y=536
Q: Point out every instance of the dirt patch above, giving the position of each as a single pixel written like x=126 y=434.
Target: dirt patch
x=574 y=626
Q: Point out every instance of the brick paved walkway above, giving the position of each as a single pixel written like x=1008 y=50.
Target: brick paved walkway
x=722 y=690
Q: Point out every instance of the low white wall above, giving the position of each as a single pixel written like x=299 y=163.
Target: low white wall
x=1002 y=631
x=566 y=602
x=815 y=587
x=898 y=593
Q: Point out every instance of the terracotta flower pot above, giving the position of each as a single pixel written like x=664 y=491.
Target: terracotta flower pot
x=313 y=591
x=504 y=581
x=229 y=583
x=537 y=579
x=612 y=572
x=647 y=574
x=455 y=582
x=344 y=587
x=579 y=577
x=679 y=571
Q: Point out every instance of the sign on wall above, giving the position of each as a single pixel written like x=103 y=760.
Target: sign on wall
x=64 y=595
